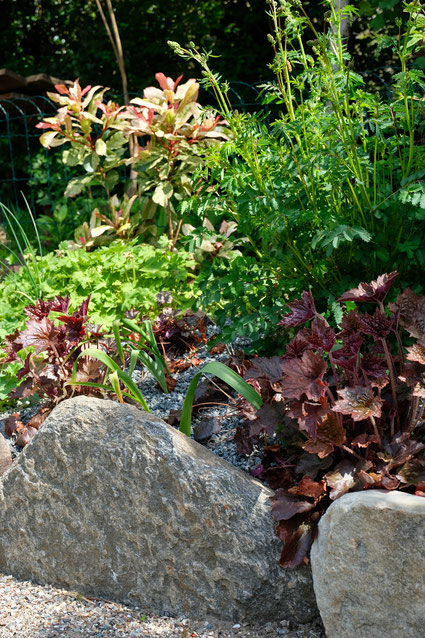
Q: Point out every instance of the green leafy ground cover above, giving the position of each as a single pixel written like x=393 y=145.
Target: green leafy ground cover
x=119 y=277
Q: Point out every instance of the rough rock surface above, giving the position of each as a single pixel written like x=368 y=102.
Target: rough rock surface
x=5 y=455
x=368 y=566
x=110 y=501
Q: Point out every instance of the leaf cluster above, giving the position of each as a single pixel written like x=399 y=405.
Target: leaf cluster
x=342 y=411
x=101 y=138
x=52 y=341
x=119 y=277
x=63 y=354
x=339 y=170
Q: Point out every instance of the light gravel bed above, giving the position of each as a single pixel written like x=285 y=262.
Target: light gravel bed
x=32 y=611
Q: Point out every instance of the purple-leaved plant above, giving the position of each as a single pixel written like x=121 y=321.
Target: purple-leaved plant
x=344 y=410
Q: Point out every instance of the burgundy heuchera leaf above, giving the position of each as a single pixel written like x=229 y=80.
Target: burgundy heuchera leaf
x=301 y=311
x=375 y=292
x=285 y=506
x=414 y=376
x=359 y=402
x=347 y=356
x=42 y=334
x=41 y=309
x=377 y=325
x=308 y=487
x=309 y=414
x=268 y=418
x=411 y=312
x=320 y=336
x=265 y=368
x=330 y=433
x=297 y=347
x=297 y=535
x=303 y=376
x=375 y=368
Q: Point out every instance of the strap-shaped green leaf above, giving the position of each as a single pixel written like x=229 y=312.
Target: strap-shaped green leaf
x=227 y=375
x=111 y=365
x=155 y=369
x=117 y=336
x=149 y=337
x=134 y=355
x=115 y=382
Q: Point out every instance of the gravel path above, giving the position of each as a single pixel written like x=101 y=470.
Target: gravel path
x=31 y=611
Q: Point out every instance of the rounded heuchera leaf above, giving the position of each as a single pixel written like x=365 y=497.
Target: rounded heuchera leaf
x=285 y=506
x=308 y=487
x=359 y=402
x=303 y=376
x=341 y=479
x=42 y=334
x=265 y=368
x=309 y=414
x=320 y=336
x=330 y=433
x=416 y=353
x=414 y=376
x=297 y=535
x=411 y=312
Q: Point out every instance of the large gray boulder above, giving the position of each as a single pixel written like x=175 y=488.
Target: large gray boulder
x=5 y=455
x=111 y=501
x=368 y=565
